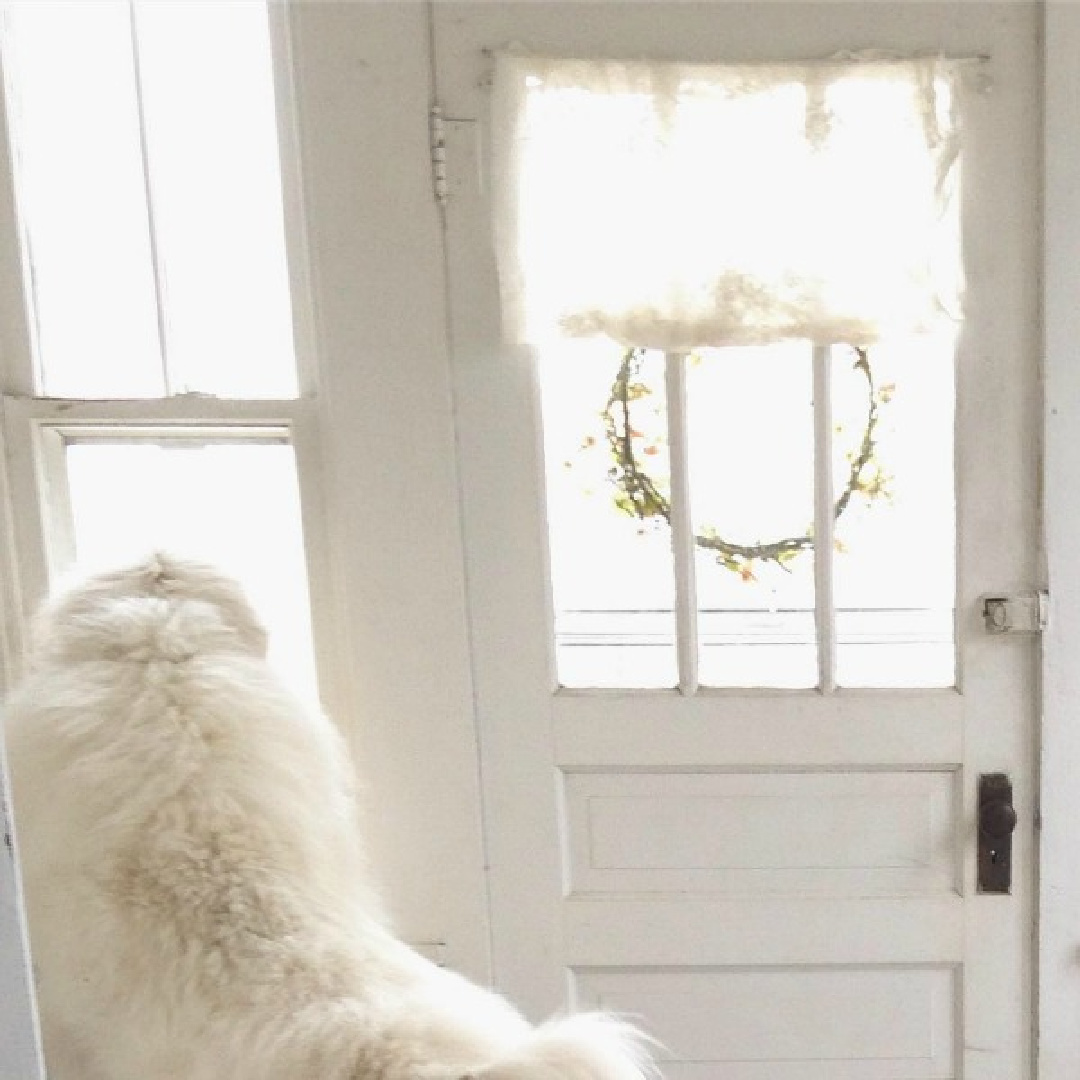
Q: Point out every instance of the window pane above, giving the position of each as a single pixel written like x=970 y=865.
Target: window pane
x=208 y=96
x=750 y=425
x=212 y=228
x=234 y=504
x=82 y=202
x=611 y=571
x=895 y=563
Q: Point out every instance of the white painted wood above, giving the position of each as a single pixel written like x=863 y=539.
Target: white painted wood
x=790 y=730
x=16 y=368
x=766 y=833
x=824 y=520
x=294 y=202
x=12 y=625
x=157 y=264
x=836 y=1023
x=15 y=376
x=20 y=1040
x=1059 y=932
x=558 y=916
x=362 y=90
x=682 y=527
x=762 y=931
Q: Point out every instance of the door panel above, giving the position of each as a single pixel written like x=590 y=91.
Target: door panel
x=804 y=1023
x=775 y=833
x=779 y=883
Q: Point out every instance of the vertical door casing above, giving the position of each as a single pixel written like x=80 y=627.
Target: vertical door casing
x=1059 y=905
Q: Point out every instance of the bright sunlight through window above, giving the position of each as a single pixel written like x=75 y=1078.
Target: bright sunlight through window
x=144 y=140
x=743 y=285
x=149 y=193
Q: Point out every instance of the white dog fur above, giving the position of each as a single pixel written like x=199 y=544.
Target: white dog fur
x=198 y=902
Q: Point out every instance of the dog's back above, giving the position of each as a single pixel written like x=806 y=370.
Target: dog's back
x=183 y=819
x=197 y=899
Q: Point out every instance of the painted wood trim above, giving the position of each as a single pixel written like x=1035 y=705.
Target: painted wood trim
x=1059 y=904
x=824 y=519
x=682 y=527
x=720 y=732
x=755 y=932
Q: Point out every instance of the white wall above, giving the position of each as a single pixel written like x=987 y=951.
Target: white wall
x=363 y=92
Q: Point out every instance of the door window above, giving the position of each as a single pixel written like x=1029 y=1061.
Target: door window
x=741 y=283
x=747 y=420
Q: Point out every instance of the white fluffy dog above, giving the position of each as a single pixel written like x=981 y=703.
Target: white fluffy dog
x=199 y=909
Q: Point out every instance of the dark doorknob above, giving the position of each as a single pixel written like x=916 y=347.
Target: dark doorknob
x=997 y=820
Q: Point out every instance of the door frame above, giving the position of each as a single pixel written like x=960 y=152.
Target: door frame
x=1058 y=1001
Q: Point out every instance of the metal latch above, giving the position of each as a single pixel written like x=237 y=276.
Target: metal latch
x=1021 y=613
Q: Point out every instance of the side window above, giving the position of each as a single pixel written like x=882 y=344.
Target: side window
x=159 y=397
x=742 y=288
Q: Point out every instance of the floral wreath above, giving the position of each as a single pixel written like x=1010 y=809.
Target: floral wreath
x=638 y=495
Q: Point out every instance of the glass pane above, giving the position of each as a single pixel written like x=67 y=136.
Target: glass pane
x=611 y=566
x=750 y=424
x=82 y=203
x=895 y=562
x=208 y=96
x=233 y=504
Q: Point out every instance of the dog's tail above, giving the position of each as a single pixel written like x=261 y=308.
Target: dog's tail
x=587 y=1046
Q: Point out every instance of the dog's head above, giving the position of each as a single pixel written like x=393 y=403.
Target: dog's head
x=162 y=607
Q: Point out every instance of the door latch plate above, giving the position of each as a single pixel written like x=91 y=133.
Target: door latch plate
x=1020 y=613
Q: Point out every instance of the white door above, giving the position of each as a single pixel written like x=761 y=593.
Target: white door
x=738 y=809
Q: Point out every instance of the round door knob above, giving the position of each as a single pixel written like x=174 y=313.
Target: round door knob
x=997 y=818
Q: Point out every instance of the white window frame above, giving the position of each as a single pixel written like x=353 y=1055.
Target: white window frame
x=35 y=523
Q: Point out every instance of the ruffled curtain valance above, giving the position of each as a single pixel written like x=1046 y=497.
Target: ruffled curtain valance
x=676 y=206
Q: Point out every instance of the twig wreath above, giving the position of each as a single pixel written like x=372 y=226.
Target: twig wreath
x=637 y=494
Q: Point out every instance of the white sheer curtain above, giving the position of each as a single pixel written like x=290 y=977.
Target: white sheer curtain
x=676 y=206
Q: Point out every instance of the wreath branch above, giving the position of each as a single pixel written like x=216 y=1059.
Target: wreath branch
x=638 y=495
x=642 y=498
